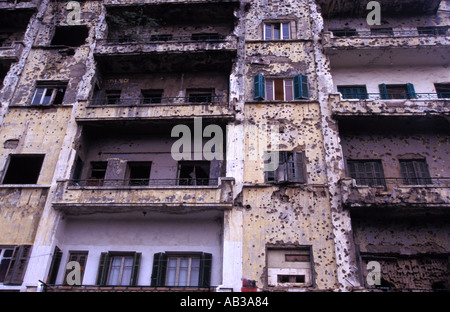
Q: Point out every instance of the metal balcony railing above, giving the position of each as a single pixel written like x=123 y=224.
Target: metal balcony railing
x=390 y=32
x=177 y=100
x=144 y=182
x=396 y=96
x=403 y=182
x=162 y=38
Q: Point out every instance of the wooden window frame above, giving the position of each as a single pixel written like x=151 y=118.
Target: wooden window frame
x=283 y=26
x=366 y=168
x=291 y=168
x=55 y=87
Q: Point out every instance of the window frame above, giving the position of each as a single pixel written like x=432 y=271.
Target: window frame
x=353 y=92
x=76 y=255
x=105 y=263
x=160 y=264
x=8 y=164
x=291 y=168
x=45 y=86
x=282 y=34
x=17 y=265
x=364 y=163
x=418 y=175
x=135 y=164
x=194 y=180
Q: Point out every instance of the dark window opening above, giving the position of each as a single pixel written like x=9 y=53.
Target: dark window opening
x=98 y=172
x=291 y=278
x=152 y=96
x=200 y=95
x=23 y=169
x=193 y=172
x=5 y=259
x=113 y=97
x=382 y=31
x=353 y=92
x=366 y=172
x=161 y=37
x=49 y=93
x=139 y=173
x=206 y=37
x=433 y=30
x=443 y=90
x=344 y=32
x=300 y=256
x=414 y=172
x=72 y=36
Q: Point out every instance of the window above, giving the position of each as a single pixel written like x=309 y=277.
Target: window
x=199 y=95
x=98 y=172
x=23 y=169
x=366 y=172
x=291 y=168
x=13 y=262
x=193 y=172
x=113 y=97
x=49 y=93
x=353 y=92
x=414 y=172
x=281 y=89
x=116 y=268
x=344 y=32
x=290 y=267
x=72 y=36
x=152 y=96
x=402 y=91
x=277 y=31
x=138 y=173
x=433 y=30
x=186 y=269
x=442 y=90
x=382 y=31
x=81 y=258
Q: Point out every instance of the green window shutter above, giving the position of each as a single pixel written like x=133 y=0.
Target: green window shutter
x=17 y=265
x=135 y=271
x=103 y=267
x=383 y=91
x=159 y=269
x=259 y=87
x=411 y=92
x=300 y=167
x=205 y=270
x=301 y=90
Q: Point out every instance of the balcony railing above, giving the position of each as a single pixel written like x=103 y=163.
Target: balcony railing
x=158 y=39
x=402 y=182
x=389 y=33
x=143 y=182
x=177 y=100
x=395 y=192
x=397 y=96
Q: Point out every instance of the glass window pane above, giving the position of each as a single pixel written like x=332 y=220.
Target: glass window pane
x=276 y=32
x=286 y=34
x=47 y=96
x=268 y=32
x=37 y=96
x=288 y=90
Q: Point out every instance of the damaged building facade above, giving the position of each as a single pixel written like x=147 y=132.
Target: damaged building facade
x=96 y=95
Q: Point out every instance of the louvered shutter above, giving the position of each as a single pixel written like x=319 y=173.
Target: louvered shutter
x=205 y=270
x=159 y=269
x=259 y=86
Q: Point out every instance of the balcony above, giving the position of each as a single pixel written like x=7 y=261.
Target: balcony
x=95 y=288
x=396 y=192
x=166 y=43
x=375 y=104
x=357 y=39
x=165 y=195
x=154 y=108
x=350 y=8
